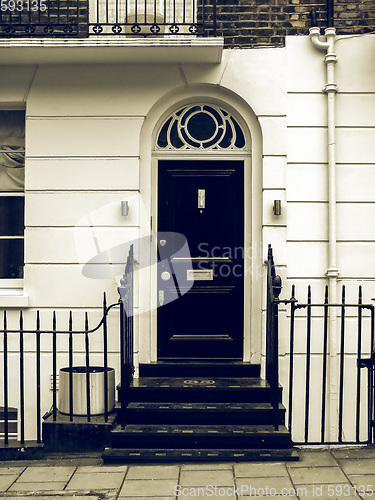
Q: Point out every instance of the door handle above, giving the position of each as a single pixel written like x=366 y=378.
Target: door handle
x=161 y=297
x=201 y=198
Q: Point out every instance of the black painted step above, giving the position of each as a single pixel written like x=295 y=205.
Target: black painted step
x=199 y=369
x=184 y=389
x=200 y=436
x=126 y=455
x=202 y=413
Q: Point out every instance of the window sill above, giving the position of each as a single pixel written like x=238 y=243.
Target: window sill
x=7 y=301
x=12 y=294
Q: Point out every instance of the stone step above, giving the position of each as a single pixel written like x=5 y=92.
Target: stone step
x=199 y=369
x=202 y=413
x=134 y=455
x=199 y=389
x=200 y=436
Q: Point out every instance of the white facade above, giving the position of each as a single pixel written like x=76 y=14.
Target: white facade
x=90 y=144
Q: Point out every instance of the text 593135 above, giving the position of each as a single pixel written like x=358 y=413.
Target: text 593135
x=21 y=5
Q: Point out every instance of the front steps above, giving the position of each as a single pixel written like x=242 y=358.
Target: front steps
x=202 y=413
x=200 y=436
x=140 y=455
x=207 y=411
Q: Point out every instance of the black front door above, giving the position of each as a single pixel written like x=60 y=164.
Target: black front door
x=201 y=253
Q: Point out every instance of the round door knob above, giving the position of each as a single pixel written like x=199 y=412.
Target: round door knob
x=165 y=275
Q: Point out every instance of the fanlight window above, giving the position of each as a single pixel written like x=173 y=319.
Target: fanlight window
x=201 y=126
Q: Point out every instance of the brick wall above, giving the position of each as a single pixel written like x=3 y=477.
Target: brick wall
x=62 y=18
x=251 y=23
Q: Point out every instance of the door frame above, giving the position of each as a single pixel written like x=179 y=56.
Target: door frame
x=157 y=156
x=201 y=158
x=253 y=282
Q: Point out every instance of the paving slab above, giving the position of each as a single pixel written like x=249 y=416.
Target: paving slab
x=11 y=470
x=61 y=496
x=6 y=481
x=208 y=495
x=326 y=492
x=365 y=452
x=207 y=466
x=355 y=466
x=261 y=486
x=344 y=470
x=317 y=475
x=314 y=459
x=203 y=478
x=153 y=472
x=260 y=470
x=148 y=488
x=151 y=498
x=363 y=483
x=278 y=497
x=35 y=486
x=102 y=468
x=95 y=481
x=46 y=474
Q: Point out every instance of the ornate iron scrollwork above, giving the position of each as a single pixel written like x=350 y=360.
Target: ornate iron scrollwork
x=10 y=29
x=68 y=29
x=29 y=29
x=136 y=28
x=97 y=29
x=155 y=28
x=201 y=126
x=174 y=29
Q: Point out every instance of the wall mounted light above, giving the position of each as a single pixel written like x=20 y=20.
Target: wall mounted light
x=125 y=208
x=277 y=207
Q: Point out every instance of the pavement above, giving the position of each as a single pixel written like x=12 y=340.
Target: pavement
x=319 y=474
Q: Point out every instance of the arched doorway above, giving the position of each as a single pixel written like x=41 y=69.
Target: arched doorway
x=201 y=151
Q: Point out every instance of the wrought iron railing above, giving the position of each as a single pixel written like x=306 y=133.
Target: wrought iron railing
x=81 y=18
x=272 y=334
x=44 y=18
x=352 y=394
x=126 y=291
x=16 y=335
x=328 y=398
x=153 y=17
x=23 y=364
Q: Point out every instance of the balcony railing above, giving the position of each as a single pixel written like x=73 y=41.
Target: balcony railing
x=81 y=18
x=36 y=18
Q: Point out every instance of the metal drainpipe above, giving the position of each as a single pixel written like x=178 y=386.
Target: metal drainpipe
x=330 y=59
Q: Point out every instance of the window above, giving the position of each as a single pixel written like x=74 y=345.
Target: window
x=201 y=126
x=12 y=181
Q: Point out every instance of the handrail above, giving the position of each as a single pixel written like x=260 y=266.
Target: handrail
x=126 y=292
x=125 y=303
x=274 y=286
x=73 y=332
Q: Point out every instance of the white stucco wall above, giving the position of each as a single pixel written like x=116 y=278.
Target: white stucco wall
x=85 y=155
x=307 y=214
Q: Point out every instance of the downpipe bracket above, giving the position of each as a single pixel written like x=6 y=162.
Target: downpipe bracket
x=332 y=272
x=330 y=57
x=330 y=88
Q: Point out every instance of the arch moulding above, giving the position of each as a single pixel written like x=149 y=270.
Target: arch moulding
x=252 y=157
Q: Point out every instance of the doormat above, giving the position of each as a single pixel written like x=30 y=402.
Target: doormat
x=199 y=382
